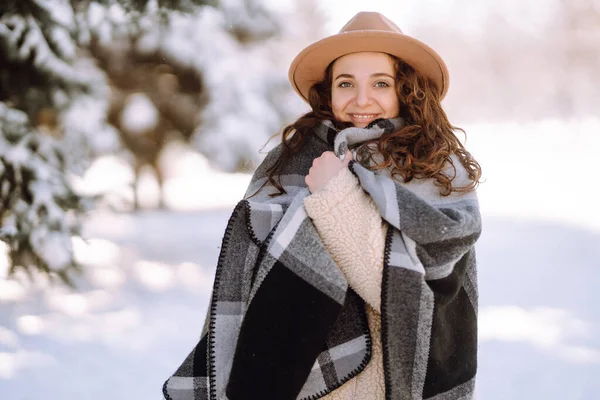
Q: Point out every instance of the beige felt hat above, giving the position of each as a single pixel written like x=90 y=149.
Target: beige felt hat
x=366 y=31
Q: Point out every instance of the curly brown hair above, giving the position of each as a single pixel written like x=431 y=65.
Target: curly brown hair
x=420 y=149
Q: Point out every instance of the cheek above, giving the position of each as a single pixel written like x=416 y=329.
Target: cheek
x=392 y=106
x=338 y=104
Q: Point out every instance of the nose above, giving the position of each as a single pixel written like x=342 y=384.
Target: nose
x=363 y=97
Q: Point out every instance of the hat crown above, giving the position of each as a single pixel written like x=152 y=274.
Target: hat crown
x=370 y=21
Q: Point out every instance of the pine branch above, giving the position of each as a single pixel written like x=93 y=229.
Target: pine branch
x=142 y=5
x=23 y=41
x=39 y=212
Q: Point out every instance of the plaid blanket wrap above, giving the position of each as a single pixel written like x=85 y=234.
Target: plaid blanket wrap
x=283 y=322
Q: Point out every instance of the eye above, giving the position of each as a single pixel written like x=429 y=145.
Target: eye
x=382 y=84
x=344 y=84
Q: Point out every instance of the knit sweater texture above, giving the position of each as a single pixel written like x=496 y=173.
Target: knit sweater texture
x=353 y=233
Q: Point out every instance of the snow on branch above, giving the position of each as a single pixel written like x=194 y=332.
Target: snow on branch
x=49 y=48
x=39 y=212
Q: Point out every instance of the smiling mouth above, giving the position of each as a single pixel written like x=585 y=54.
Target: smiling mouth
x=363 y=117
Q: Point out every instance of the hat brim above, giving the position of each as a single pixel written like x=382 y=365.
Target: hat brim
x=309 y=65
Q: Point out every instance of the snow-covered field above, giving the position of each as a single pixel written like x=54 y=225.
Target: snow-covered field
x=148 y=277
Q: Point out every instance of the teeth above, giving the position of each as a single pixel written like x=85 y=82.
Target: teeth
x=363 y=116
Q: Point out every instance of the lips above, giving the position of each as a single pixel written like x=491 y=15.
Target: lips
x=363 y=117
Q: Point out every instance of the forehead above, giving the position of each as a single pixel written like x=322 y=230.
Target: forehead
x=366 y=61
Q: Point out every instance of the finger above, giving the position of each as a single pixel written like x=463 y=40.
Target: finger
x=347 y=157
x=328 y=155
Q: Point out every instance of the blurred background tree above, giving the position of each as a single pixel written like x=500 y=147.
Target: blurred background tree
x=518 y=61
x=84 y=78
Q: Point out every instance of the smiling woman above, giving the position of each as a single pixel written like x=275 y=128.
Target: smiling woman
x=358 y=94
x=348 y=270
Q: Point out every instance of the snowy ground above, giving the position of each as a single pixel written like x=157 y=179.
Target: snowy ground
x=149 y=277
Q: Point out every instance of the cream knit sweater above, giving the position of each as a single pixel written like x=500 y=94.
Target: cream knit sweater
x=354 y=234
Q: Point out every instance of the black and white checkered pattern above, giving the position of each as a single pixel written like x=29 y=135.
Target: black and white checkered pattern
x=283 y=322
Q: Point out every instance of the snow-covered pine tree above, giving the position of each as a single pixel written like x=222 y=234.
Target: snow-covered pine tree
x=55 y=98
x=225 y=46
x=40 y=75
x=215 y=76
x=53 y=104
x=38 y=210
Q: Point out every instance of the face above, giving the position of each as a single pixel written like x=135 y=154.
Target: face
x=363 y=88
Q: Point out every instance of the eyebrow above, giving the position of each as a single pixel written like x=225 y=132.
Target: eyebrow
x=375 y=75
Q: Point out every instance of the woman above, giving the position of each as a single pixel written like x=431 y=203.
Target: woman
x=349 y=269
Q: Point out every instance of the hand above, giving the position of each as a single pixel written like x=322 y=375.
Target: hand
x=324 y=168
